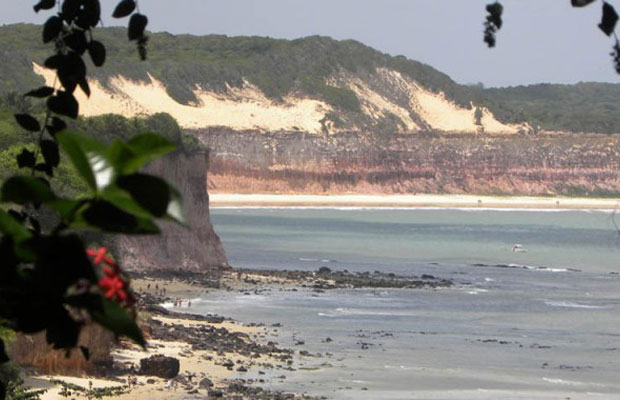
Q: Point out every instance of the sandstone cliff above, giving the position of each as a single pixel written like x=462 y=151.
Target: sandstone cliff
x=195 y=248
x=563 y=164
x=317 y=115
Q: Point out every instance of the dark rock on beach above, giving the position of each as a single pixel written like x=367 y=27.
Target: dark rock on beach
x=160 y=366
x=325 y=278
x=221 y=340
x=205 y=383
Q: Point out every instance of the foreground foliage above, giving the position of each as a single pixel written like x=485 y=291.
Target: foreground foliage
x=50 y=281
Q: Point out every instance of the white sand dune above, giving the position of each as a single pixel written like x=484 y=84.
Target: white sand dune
x=240 y=108
x=248 y=108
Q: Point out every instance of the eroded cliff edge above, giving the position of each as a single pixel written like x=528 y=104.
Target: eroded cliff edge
x=195 y=248
x=543 y=164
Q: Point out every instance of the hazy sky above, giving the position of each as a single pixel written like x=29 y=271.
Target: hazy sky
x=541 y=41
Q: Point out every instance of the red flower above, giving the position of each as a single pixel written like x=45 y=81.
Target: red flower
x=98 y=254
x=112 y=284
x=113 y=288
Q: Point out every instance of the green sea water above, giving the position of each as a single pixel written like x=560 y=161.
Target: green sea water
x=539 y=323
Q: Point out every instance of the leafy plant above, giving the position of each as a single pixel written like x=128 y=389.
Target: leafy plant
x=16 y=390
x=69 y=389
x=49 y=280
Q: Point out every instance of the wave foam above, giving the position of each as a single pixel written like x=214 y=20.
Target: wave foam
x=567 y=304
x=524 y=266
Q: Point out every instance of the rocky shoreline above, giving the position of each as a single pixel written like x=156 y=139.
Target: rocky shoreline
x=325 y=279
x=190 y=356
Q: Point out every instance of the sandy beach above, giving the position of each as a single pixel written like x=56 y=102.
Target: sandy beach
x=411 y=201
x=195 y=364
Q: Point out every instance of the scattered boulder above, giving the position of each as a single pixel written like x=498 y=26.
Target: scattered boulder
x=216 y=393
x=205 y=383
x=160 y=366
x=324 y=270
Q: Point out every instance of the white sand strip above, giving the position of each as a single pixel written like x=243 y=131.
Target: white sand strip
x=409 y=201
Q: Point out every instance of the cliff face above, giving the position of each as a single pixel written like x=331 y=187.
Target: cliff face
x=197 y=248
x=563 y=164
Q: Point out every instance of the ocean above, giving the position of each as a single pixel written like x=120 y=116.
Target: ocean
x=534 y=312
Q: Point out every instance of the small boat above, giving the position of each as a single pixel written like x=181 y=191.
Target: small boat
x=518 y=248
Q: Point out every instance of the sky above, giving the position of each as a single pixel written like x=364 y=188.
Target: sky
x=541 y=40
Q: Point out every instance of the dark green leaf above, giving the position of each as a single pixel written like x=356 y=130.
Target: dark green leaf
x=137 y=24
x=36 y=226
x=66 y=208
x=63 y=103
x=77 y=41
x=495 y=11
x=31 y=315
x=54 y=61
x=11 y=227
x=175 y=207
x=71 y=71
x=19 y=216
x=97 y=53
x=85 y=352
x=61 y=261
x=90 y=14
x=70 y=9
x=150 y=192
x=145 y=148
x=119 y=321
x=44 y=5
x=52 y=29
x=75 y=147
x=50 y=152
x=609 y=19
x=493 y=22
x=142 y=47
x=124 y=8
x=56 y=126
x=85 y=87
x=26 y=159
x=28 y=122
x=26 y=189
x=62 y=331
x=95 y=155
x=109 y=218
x=45 y=167
x=581 y=3
x=3 y=357
x=87 y=301
x=123 y=200
x=43 y=91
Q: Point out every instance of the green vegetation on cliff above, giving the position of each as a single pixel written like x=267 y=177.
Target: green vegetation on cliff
x=279 y=67
x=583 y=107
x=105 y=128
